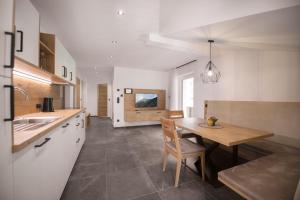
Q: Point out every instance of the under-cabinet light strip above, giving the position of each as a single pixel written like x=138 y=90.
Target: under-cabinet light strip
x=32 y=77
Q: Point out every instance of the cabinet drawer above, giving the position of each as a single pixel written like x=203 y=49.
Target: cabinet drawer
x=144 y=115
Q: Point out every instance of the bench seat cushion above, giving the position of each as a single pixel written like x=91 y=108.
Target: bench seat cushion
x=270 y=177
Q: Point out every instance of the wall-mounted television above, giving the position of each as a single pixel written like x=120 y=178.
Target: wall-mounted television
x=145 y=100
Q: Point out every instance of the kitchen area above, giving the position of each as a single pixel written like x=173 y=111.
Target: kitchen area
x=43 y=122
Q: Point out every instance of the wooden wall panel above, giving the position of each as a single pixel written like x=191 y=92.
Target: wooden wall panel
x=129 y=99
x=36 y=92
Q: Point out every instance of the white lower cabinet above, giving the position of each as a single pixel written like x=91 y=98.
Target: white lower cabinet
x=42 y=169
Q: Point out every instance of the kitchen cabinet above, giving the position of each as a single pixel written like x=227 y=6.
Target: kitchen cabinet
x=6 y=59
x=27 y=32
x=41 y=172
x=65 y=66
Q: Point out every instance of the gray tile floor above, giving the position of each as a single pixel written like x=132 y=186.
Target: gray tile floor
x=125 y=164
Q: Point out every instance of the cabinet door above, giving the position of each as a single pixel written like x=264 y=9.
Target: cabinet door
x=6 y=25
x=60 y=61
x=27 y=172
x=71 y=68
x=6 y=164
x=27 y=31
x=53 y=167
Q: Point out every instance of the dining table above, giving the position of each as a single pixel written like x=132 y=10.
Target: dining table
x=225 y=134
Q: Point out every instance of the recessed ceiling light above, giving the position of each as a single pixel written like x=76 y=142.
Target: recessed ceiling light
x=120 y=12
x=111 y=56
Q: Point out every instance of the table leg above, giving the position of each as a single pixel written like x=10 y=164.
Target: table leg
x=210 y=169
x=235 y=157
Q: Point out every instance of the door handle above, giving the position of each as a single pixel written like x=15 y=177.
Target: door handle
x=45 y=141
x=12 y=50
x=12 y=104
x=71 y=76
x=78 y=140
x=21 y=41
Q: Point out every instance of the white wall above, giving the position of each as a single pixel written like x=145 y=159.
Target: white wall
x=91 y=80
x=136 y=79
x=246 y=76
x=178 y=15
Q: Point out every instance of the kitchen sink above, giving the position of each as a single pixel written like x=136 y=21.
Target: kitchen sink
x=32 y=123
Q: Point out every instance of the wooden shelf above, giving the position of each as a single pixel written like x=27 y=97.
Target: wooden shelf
x=44 y=48
x=47 y=52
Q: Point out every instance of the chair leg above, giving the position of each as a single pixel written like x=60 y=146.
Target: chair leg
x=178 y=168
x=203 y=166
x=165 y=160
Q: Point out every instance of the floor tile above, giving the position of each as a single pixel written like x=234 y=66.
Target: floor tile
x=153 y=196
x=118 y=160
x=164 y=180
x=129 y=184
x=187 y=191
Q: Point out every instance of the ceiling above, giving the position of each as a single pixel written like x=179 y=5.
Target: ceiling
x=88 y=29
x=271 y=30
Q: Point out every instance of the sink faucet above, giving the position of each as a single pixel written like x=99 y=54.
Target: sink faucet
x=23 y=92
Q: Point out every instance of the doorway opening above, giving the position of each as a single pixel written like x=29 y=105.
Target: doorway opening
x=187 y=95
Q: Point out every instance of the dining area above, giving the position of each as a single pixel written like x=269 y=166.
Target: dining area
x=235 y=127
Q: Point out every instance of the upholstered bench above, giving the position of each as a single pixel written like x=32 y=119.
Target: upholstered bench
x=271 y=177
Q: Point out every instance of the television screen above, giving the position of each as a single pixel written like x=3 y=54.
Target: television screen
x=145 y=100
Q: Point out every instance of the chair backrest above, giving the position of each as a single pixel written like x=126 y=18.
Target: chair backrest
x=175 y=114
x=170 y=133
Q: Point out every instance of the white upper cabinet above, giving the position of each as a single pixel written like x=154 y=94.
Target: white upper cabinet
x=6 y=37
x=27 y=31
x=65 y=65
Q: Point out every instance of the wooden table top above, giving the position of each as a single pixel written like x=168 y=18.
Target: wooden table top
x=229 y=135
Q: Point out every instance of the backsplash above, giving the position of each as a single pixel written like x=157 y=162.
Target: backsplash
x=36 y=92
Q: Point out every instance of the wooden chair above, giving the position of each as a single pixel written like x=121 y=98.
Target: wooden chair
x=180 y=148
x=177 y=114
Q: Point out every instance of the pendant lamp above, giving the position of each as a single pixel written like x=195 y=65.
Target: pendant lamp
x=211 y=74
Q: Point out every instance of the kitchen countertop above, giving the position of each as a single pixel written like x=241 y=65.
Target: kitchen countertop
x=23 y=138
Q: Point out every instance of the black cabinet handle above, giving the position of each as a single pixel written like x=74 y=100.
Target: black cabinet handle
x=78 y=140
x=45 y=141
x=65 y=126
x=21 y=41
x=71 y=73
x=78 y=124
x=12 y=103
x=12 y=50
x=82 y=123
x=66 y=72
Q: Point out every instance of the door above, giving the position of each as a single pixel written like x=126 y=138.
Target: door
x=187 y=96
x=27 y=31
x=78 y=93
x=102 y=100
x=6 y=58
